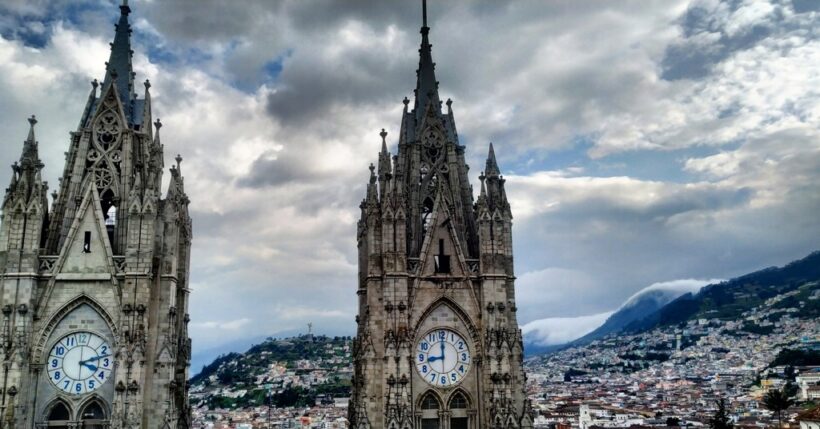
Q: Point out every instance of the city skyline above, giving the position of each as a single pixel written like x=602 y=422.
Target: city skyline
x=673 y=142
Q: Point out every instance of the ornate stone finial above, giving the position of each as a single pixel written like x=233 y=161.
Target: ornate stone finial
x=384 y=135
x=147 y=84
x=406 y=101
x=178 y=160
x=95 y=83
x=372 y=168
x=32 y=120
x=158 y=124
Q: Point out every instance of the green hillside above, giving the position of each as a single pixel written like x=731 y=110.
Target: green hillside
x=297 y=371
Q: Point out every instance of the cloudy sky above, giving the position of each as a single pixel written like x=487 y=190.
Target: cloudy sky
x=643 y=141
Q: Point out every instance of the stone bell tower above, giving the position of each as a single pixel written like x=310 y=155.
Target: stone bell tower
x=438 y=343
x=94 y=291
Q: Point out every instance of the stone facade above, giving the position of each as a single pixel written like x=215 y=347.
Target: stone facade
x=110 y=259
x=435 y=262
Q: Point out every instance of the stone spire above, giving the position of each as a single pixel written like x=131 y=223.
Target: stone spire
x=118 y=68
x=26 y=179
x=426 y=83
x=30 y=154
x=491 y=169
x=384 y=158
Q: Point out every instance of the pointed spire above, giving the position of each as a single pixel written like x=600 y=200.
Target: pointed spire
x=89 y=105
x=492 y=165
x=146 y=109
x=32 y=121
x=118 y=67
x=384 y=159
x=157 y=125
x=178 y=159
x=30 y=158
x=426 y=84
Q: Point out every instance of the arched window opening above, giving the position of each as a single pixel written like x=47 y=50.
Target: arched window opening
x=58 y=416
x=429 y=412
x=426 y=212
x=59 y=412
x=93 y=411
x=110 y=213
x=93 y=416
x=111 y=217
x=458 y=402
x=458 y=412
x=429 y=403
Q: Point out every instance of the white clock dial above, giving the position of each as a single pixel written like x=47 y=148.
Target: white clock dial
x=443 y=358
x=80 y=363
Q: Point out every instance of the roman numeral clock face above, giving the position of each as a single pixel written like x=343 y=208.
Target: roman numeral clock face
x=80 y=363
x=443 y=358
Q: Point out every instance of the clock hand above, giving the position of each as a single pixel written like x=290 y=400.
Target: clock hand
x=96 y=358
x=434 y=358
x=89 y=366
x=442 y=356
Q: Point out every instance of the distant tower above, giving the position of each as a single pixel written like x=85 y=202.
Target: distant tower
x=95 y=291
x=438 y=344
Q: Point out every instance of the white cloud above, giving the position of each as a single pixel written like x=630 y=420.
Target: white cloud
x=671 y=289
x=230 y=325
x=561 y=330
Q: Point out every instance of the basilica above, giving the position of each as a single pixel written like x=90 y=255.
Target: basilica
x=94 y=287
x=438 y=343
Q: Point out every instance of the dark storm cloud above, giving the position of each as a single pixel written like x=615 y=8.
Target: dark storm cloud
x=312 y=86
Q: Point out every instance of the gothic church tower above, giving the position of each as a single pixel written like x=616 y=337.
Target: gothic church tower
x=438 y=343
x=94 y=292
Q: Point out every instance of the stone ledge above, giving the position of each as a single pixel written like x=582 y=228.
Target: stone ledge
x=83 y=276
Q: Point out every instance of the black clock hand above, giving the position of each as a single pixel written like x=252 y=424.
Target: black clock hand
x=89 y=366
x=96 y=358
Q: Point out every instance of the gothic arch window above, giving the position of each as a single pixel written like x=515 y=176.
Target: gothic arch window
x=430 y=406
x=458 y=402
x=58 y=416
x=426 y=212
x=109 y=210
x=459 y=418
x=93 y=416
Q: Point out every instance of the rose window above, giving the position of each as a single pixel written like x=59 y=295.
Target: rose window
x=103 y=178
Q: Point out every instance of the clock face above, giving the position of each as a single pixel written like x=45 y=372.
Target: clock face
x=80 y=363
x=443 y=358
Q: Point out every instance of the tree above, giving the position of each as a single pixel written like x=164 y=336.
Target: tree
x=672 y=421
x=777 y=401
x=721 y=418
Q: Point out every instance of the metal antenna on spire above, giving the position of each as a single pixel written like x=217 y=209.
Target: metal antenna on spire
x=424 y=12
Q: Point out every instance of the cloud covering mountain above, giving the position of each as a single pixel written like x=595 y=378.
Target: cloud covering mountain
x=542 y=333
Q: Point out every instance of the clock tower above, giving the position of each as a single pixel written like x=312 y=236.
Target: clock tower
x=438 y=343
x=94 y=289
